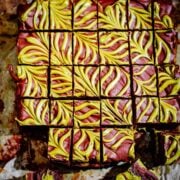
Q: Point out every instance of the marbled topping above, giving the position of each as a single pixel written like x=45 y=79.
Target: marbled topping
x=115 y=81
x=116 y=112
x=59 y=144
x=86 y=145
x=118 y=144
x=33 y=112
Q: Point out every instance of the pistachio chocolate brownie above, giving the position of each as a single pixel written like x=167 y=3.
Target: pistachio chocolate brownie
x=93 y=72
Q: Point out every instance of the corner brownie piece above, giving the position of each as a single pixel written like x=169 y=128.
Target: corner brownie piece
x=33 y=48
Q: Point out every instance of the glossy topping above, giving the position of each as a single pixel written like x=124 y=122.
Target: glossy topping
x=59 y=144
x=33 y=112
x=61 y=112
x=32 y=81
x=147 y=110
x=112 y=15
x=165 y=47
x=127 y=175
x=115 y=81
x=35 y=15
x=61 y=81
x=118 y=144
x=116 y=112
x=85 y=48
x=61 y=48
x=140 y=14
x=86 y=145
x=113 y=47
x=144 y=80
x=33 y=48
x=170 y=110
x=169 y=80
x=141 y=47
x=86 y=113
x=86 y=81
x=60 y=14
x=85 y=14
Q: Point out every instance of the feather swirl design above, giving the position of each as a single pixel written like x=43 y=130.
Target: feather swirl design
x=32 y=81
x=61 y=112
x=85 y=48
x=35 y=49
x=60 y=14
x=116 y=112
x=86 y=145
x=115 y=81
x=61 y=81
x=33 y=112
x=61 y=50
x=59 y=143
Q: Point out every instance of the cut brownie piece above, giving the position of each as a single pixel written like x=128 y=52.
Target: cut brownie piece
x=86 y=113
x=113 y=47
x=169 y=80
x=112 y=15
x=141 y=47
x=170 y=109
x=163 y=14
x=32 y=81
x=144 y=80
x=118 y=145
x=59 y=144
x=165 y=46
x=116 y=112
x=60 y=15
x=85 y=48
x=61 y=81
x=86 y=145
x=86 y=81
x=33 y=48
x=33 y=112
x=61 y=48
x=34 y=16
x=115 y=81
x=85 y=14
x=61 y=112
x=140 y=14
x=147 y=110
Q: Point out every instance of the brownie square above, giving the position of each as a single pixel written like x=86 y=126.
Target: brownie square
x=141 y=47
x=61 y=48
x=33 y=48
x=169 y=78
x=61 y=81
x=163 y=14
x=85 y=14
x=33 y=112
x=165 y=47
x=113 y=48
x=140 y=14
x=59 y=144
x=116 y=112
x=144 y=80
x=32 y=81
x=86 y=81
x=118 y=145
x=115 y=81
x=61 y=113
x=112 y=15
x=85 y=50
x=86 y=113
x=60 y=15
x=170 y=109
x=147 y=110
x=34 y=16
x=86 y=145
